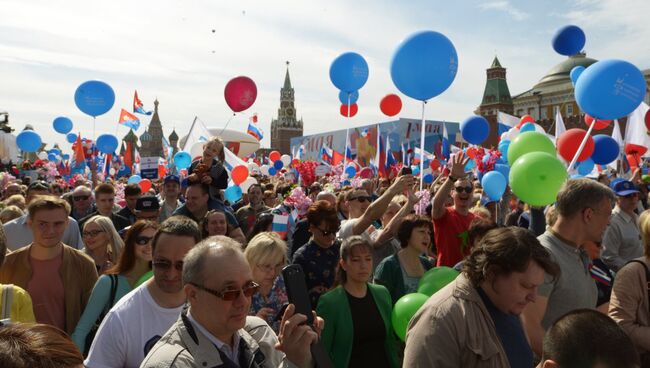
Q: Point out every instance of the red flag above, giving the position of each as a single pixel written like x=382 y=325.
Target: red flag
x=336 y=157
x=78 y=157
x=128 y=156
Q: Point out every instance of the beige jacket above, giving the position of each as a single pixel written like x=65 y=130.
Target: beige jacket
x=454 y=329
x=629 y=303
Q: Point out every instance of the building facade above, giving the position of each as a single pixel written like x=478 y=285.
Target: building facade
x=151 y=141
x=286 y=126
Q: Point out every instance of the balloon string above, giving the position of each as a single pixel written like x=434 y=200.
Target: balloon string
x=582 y=145
x=228 y=122
x=422 y=126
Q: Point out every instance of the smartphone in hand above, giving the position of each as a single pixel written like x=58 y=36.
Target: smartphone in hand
x=296 y=284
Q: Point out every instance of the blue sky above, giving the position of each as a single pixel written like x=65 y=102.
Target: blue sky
x=167 y=50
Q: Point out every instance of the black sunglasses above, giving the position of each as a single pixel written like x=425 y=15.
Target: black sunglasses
x=80 y=198
x=143 y=240
x=465 y=189
x=329 y=232
x=361 y=199
x=231 y=294
x=166 y=265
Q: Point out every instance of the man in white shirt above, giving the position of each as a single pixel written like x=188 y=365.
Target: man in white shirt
x=140 y=318
x=216 y=330
x=19 y=234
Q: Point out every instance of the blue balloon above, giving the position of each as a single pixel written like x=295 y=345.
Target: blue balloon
x=503 y=148
x=134 y=179
x=428 y=178
x=182 y=160
x=585 y=167
x=528 y=127
x=575 y=73
x=65 y=156
x=475 y=129
x=424 y=65
x=54 y=151
x=606 y=149
x=351 y=171
x=278 y=164
x=62 y=125
x=71 y=137
x=504 y=170
x=610 y=89
x=494 y=185
x=28 y=141
x=272 y=171
x=346 y=182
x=232 y=194
x=569 y=40
x=349 y=72
x=470 y=165
x=107 y=143
x=415 y=169
x=343 y=97
x=94 y=98
x=51 y=157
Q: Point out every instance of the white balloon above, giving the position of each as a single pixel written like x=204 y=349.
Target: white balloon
x=42 y=155
x=111 y=171
x=286 y=160
x=264 y=169
x=196 y=149
x=539 y=129
x=247 y=184
x=253 y=167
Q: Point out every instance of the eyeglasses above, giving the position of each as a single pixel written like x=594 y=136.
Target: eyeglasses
x=143 y=240
x=361 y=199
x=92 y=233
x=165 y=265
x=80 y=198
x=329 y=232
x=631 y=195
x=270 y=268
x=465 y=189
x=231 y=294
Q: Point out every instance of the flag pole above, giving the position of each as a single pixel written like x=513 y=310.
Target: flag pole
x=422 y=127
x=582 y=145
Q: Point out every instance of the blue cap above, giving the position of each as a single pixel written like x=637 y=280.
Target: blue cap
x=172 y=178
x=623 y=188
x=486 y=200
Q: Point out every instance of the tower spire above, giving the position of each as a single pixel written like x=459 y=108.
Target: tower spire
x=287 y=80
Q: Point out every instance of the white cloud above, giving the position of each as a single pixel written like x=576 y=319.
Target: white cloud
x=507 y=7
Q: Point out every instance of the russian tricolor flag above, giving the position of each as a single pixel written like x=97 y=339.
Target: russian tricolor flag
x=254 y=131
x=280 y=225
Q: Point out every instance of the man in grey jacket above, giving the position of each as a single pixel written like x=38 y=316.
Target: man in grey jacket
x=216 y=331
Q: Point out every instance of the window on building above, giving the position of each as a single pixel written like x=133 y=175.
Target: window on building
x=544 y=113
x=520 y=112
x=569 y=109
x=532 y=111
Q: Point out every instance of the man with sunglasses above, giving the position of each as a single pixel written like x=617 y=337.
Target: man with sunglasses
x=216 y=331
x=622 y=240
x=451 y=224
x=82 y=202
x=363 y=212
x=140 y=318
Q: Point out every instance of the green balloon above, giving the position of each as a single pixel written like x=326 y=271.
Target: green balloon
x=143 y=278
x=529 y=142
x=536 y=178
x=435 y=279
x=646 y=178
x=404 y=310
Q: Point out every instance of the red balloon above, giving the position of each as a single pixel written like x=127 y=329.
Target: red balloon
x=600 y=124
x=525 y=119
x=635 y=149
x=240 y=93
x=145 y=185
x=295 y=162
x=391 y=105
x=633 y=160
x=365 y=173
x=239 y=174
x=274 y=156
x=472 y=152
x=435 y=164
x=353 y=110
x=647 y=120
x=569 y=141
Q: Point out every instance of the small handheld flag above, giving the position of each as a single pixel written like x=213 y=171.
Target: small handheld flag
x=254 y=131
x=137 y=105
x=129 y=120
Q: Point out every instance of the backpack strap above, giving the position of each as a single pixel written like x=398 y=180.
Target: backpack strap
x=7 y=300
x=647 y=275
x=114 y=281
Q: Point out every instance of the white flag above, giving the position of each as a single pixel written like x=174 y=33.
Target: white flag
x=616 y=135
x=559 y=124
x=198 y=133
x=636 y=131
x=507 y=119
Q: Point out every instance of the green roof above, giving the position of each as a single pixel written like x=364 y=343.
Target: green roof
x=496 y=91
x=496 y=63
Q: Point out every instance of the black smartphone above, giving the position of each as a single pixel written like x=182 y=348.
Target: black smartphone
x=405 y=171
x=296 y=284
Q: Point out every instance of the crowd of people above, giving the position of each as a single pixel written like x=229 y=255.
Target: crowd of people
x=108 y=275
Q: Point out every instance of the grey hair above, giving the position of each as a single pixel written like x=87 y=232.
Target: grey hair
x=196 y=259
x=578 y=194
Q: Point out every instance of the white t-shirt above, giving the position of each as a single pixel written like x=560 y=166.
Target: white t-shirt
x=346 y=231
x=130 y=330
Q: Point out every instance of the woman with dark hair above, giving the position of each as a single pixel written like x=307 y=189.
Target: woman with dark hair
x=320 y=255
x=474 y=321
x=119 y=280
x=214 y=223
x=37 y=345
x=358 y=313
x=264 y=223
x=401 y=272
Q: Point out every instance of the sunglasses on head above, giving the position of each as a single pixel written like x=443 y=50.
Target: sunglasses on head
x=361 y=199
x=92 y=233
x=464 y=189
x=80 y=198
x=143 y=240
x=231 y=294
x=165 y=265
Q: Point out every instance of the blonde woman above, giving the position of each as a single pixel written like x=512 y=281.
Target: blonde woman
x=103 y=243
x=266 y=254
x=629 y=305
